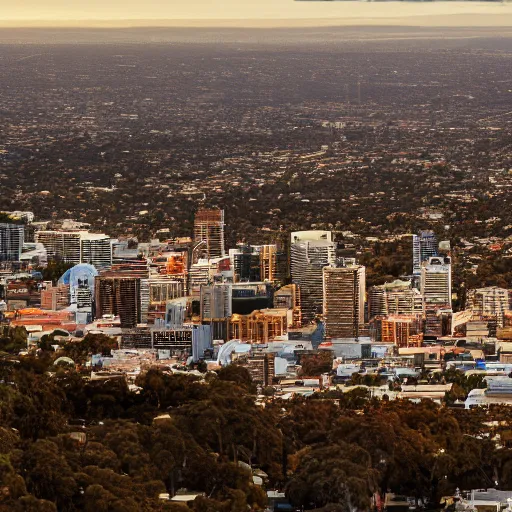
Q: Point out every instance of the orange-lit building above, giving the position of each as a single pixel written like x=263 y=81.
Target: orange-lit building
x=260 y=326
x=288 y=297
x=47 y=320
x=55 y=298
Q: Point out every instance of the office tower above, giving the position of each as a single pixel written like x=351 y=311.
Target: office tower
x=398 y=297
x=416 y=255
x=216 y=302
x=61 y=245
x=398 y=330
x=216 y=308
x=246 y=263
x=119 y=295
x=282 y=259
x=436 y=288
x=311 y=251
x=489 y=303
x=161 y=290
x=428 y=245
x=176 y=312
x=288 y=297
x=424 y=246
x=343 y=300
x=221 y=300
x=77 y=247
x=304 y=236
x=401 y=330
x=84 y=299
x=209 y=228
x=268 y=260
x=144 y=300
x=96 y=250
x=200 y=274
x=11 y=241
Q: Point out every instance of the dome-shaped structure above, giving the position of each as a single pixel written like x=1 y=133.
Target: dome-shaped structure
x=66 y=360
x=80 y=276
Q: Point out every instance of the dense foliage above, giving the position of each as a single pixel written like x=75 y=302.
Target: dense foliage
x=70 y=443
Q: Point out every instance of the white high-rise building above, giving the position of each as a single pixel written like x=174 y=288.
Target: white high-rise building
x=310 y=252
x=395 y=298
x=436 y=289
x=490 y=302
x=77 y=247
x=416 y=255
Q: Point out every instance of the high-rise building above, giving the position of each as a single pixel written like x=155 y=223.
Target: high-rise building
x=268 y=263
x=246 y=263
x=416 y=255
x=11 y=241
x=343 y=300
x=117 y=294
x=310 y=252
x=161 y=290
x=436 y=289
x=209 y=228
x=491 y=303
x=63 y=245
x=282 y=259
x=216 y=302
x=96 y=250
x=77 y=247
x=398 y=298
x=257 y=263
x=424 y=246
x=401 y=330
x=176 y=312
x=216 y=308
x=428 y=245
x=288 y=297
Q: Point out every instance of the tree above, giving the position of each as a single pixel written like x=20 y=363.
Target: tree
x=48 y=474
x=237 y=374
x=13 y=339
x=338 y=473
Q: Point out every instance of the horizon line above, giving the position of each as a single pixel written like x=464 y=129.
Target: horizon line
x=278 y=22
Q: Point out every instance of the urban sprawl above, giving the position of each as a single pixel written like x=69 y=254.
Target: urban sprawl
x=273 y=273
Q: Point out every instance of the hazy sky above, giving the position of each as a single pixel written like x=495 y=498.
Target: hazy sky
x=229 y=9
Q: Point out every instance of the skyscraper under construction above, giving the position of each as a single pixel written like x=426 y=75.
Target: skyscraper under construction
x=209 y=228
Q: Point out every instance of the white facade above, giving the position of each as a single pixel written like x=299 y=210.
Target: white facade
x=77 y=247
x=308 y=258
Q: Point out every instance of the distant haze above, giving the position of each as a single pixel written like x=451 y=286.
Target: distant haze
x=250 y=13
